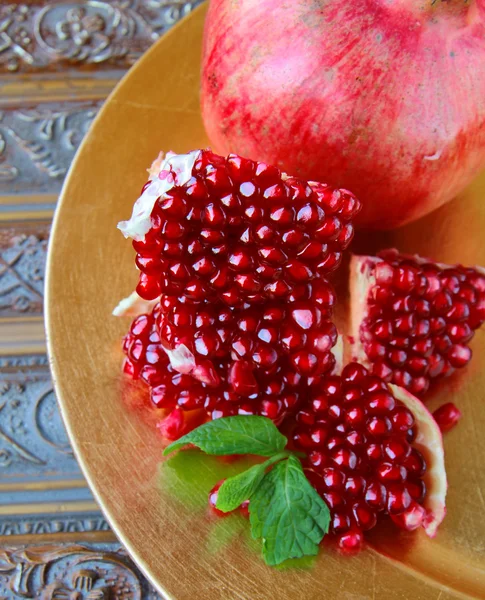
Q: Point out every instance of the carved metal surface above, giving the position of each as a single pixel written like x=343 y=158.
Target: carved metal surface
x=34 y=448
x=23 y=253
x=49 y=524
x=23 y=362
x=38 y=144
x=71 y=572
x=33 y=441
x=57 y=34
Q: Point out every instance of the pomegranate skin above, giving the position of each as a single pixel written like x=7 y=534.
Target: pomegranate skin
x=384 y=97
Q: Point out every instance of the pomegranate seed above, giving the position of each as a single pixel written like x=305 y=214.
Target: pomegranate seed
x=354 y=485
x=447 y=416
x=244 y=509
x=340 y=522
x=416 y=489
x=364 y=516
x=351 y=542
x=398 y=499
x=410 y=519
x=173 y=426
x=415 y=463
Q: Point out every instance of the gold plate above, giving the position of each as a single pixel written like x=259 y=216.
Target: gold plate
x=159 y=512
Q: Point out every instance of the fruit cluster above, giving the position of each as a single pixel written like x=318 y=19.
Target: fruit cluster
x=235 y=259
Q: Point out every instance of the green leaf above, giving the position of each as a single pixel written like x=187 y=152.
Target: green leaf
x=286 y=511
x=234 y=435
x=239 y=488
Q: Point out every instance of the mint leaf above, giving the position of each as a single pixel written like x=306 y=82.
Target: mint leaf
x=234 y=435
x=239 y=488
x=286 y=511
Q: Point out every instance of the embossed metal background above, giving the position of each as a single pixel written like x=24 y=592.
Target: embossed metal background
x=90 y=269
x=58 y=62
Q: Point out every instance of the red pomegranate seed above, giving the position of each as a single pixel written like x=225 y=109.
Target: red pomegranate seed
x=351 y=542
x=244 y=509
x=447 y=416
x=173 y=426
x=410 y=519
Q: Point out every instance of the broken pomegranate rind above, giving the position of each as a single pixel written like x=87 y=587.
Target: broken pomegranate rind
x=362 y=276
x=134 y=305
x=175 y=169
x=338 y=352
x=429 y=442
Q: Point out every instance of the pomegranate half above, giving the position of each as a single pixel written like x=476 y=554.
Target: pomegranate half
x=384 y=97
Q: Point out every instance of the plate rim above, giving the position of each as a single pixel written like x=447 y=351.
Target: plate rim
x=54 y=366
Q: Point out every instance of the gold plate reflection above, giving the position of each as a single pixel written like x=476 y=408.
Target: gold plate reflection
x=162 y=520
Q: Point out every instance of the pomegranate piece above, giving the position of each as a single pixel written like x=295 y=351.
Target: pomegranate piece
x=447 y=416
x=237 y=254
x=237 y=231
x=412 y=320
x=372 y=450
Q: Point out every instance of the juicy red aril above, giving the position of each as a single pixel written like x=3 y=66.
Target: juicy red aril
x=364 y=516
x=419 y=318
x=173 y=426
x=340 y=522
x=447 y=416
x=351 y=541
x=398 y=499
x=415 y=463
x=356 y=434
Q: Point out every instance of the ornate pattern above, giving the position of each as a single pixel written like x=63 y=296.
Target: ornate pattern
x=33 y=441
x=75 y=572
x=37 y=145
x=23 y=362
x=50 y=36
x=22 y=266
x=52 y=524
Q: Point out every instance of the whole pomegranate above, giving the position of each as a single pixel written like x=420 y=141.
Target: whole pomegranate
x=384 y=97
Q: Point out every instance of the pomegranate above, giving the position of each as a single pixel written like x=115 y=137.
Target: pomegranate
x=385 y=97
x=373 y=450
x=411 y=319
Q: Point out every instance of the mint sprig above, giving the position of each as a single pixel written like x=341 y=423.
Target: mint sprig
x=285 y=510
